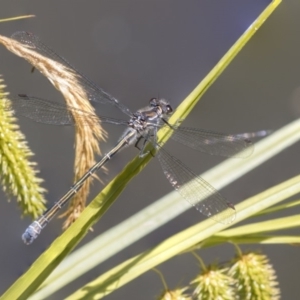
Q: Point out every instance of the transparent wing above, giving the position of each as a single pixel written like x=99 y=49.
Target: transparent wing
x=94 y=92
x=54 y=113
x=198 y=192
x=216 y=143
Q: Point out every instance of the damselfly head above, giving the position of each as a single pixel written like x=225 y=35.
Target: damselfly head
x=163 y=104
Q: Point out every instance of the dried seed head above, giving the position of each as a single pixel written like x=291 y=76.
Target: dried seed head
x=88 y=132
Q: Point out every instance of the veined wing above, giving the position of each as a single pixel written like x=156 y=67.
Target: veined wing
x=54 y=113
x=216 y=143
x=94 y=92
x=198 y=192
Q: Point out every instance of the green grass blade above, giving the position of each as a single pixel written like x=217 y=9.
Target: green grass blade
x=162 y=211
x=249 y=239
x=17 y=18
x=264 y=226
x=48 y=261
x=278 y=208
x=184 y=241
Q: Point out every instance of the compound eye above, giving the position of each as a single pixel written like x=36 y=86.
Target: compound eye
x=153 y=101
x=169 y=109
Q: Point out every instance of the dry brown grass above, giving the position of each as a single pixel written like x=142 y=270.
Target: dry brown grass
x=88 y=132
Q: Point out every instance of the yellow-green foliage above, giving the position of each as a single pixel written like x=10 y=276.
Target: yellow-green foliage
x=213 y=283
x=18 y=175
x=255 y=277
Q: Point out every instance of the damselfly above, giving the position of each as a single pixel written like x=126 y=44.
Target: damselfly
x=141 y=127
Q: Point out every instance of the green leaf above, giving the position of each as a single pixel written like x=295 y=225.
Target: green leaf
x=265 y=226
x=249 y=239
x=171 y=206
x=16 y=18
x=185 y=240
x=276 y=208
